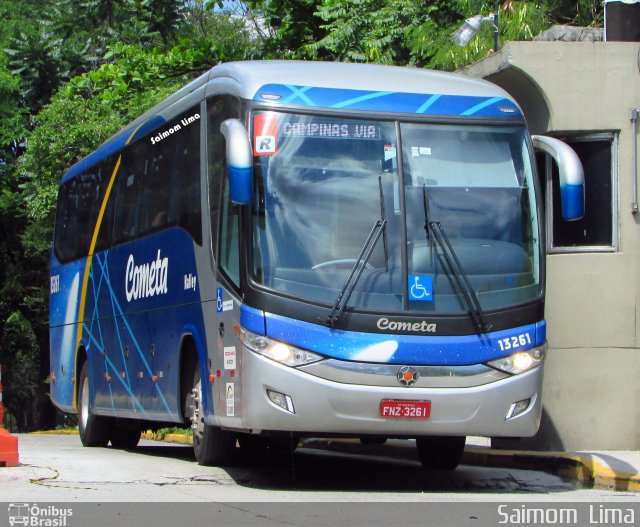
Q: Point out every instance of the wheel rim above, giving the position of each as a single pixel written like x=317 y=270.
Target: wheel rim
x=84 y=403
x=197 y=418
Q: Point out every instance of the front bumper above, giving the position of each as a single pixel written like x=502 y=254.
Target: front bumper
x=324 y=406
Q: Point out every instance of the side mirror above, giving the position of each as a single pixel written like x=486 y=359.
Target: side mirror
x=571 y=175
x=239 y=159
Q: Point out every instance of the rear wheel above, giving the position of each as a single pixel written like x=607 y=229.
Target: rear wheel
x=94 y=429
x=211 y=444
x=440 y=452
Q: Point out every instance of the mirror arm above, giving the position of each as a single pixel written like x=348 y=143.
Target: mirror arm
x=571 y=175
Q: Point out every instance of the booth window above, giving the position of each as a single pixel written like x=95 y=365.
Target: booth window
x=597 y=231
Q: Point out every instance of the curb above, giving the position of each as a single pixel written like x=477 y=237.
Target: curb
x=56 y=432
x=168 y=438
x=581 y=469
x=578 y=468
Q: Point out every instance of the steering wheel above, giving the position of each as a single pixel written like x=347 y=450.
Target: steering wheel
x=345 y=262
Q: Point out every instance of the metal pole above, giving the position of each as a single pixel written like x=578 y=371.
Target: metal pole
x=496 y=34
x=634 y=120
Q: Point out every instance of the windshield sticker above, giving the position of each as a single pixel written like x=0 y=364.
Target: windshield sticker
x=389 y=152
x=265 y=134
x=417 y=151
x=421 y=288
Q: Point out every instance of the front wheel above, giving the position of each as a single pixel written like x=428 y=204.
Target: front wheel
x=211 y=444
x=94 y=429
x=440 y=452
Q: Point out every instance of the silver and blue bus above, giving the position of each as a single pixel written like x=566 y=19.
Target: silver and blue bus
x=297 y=249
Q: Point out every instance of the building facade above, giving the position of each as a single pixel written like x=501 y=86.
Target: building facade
x=587 y=94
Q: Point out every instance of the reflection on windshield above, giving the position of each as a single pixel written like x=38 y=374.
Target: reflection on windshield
x=322 y=182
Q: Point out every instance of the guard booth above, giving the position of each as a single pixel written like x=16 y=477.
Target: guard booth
x=587 y=93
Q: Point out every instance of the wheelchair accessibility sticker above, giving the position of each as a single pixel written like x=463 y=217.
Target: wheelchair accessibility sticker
x=420 y=288
x=221 y=303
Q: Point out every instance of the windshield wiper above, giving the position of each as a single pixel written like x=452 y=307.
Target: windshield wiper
x=435 y=232
x=355 y=274
x=383 y=216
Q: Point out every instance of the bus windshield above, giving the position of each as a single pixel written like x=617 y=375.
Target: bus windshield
x=322 y=182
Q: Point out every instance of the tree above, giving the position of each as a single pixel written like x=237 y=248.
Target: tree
x=371 y=30
x=20 y=357
x=36 y=58
x=292 y=23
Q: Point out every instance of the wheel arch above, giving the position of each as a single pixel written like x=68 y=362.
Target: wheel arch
x=192 y=353
x=81 y=359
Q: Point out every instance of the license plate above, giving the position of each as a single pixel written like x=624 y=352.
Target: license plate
x=393 y=408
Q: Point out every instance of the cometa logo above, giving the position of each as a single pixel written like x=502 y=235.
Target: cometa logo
x=146 y=280
x=419 y=327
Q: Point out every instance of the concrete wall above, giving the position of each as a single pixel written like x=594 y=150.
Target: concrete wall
x=591 y=392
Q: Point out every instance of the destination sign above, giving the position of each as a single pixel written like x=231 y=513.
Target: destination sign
x=330 y=129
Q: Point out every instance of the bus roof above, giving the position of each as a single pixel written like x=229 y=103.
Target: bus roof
x=328 y=85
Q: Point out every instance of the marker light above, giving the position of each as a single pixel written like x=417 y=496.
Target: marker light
x=277 y=351
x=520 y=362
x=282 y=400
x=517 y=408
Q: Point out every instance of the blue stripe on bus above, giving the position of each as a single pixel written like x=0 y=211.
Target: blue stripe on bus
x=252 y=319
x=396 y=102
x=396 y=349
x=114 y=145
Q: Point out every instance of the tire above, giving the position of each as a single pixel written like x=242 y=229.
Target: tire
x=440 y=452
x=94 y=429
x=124 y=437
x=211 y=444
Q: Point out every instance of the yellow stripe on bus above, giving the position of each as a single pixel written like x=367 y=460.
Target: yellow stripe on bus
x=87 y=267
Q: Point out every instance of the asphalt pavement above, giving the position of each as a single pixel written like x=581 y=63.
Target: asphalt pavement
x=615 y=470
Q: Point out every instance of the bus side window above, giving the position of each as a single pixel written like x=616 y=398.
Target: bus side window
x=187 y=165
x=128 y=190
x=65 y=239
x=86 y=211
x=230 y=236
x=106 y=227
x=156 y=192
x=219 y=108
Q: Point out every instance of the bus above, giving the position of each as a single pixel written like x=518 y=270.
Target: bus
x=289 y=249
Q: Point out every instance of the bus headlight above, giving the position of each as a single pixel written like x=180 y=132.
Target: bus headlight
x=277 y=351
x=521 y=361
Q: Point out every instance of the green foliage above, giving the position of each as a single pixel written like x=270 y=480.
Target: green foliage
x=407 y=32
x=233 y=37
x=292 y=24
x=369 y=30
x=36 y=58
x=577 y=12
x=67 y=130
x=20 y=357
